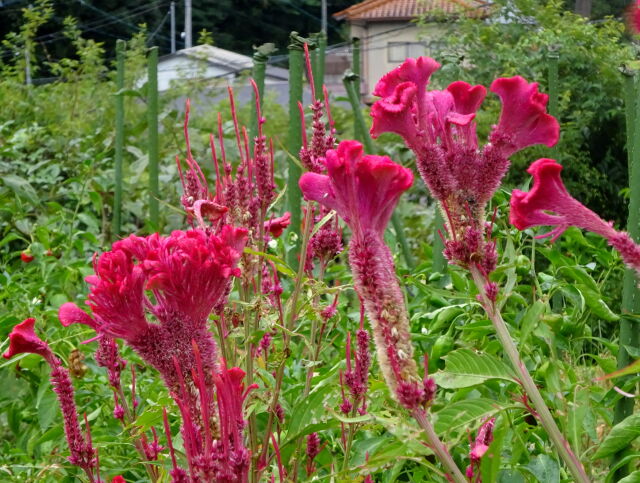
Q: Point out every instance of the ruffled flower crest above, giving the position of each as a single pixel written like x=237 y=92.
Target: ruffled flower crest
x=439 y=126
x=548 y=203
x=364 y=190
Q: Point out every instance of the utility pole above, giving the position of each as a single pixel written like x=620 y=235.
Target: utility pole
x=173 y=27
x=324 y=16
x=187 y=24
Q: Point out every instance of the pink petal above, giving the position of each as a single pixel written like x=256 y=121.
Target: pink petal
x=523 y=120
x=418 y=71
x=549 y=194
x=69 y=313
x=23 y=339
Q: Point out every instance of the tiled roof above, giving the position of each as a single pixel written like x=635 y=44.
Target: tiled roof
x=378 y=10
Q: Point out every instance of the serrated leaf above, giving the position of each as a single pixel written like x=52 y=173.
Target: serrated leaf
x=464 y=368
x=619 y=437
x=545 y=469
x=462 y=413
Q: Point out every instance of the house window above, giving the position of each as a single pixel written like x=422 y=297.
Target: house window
x=399 y=51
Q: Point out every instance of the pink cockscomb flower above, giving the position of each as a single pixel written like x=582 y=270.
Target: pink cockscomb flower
x=549 y=203
x=478 y=448
x=633 y=16
x=179 y=280
x=439 y=127
x=23 y=339
x=364 y=190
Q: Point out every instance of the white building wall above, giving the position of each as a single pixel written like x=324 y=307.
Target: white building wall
x=385 y=45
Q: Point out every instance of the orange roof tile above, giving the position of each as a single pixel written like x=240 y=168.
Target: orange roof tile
x=379 y=10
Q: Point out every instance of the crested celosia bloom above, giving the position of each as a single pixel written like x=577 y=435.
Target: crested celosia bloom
x=179 y=280
x=439 y=127
x=633 y=16
x=364 y=191
x=479 y=447
x=23 y=340
x=549 y=203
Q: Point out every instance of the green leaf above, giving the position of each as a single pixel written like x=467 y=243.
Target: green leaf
x=633 y=368
x=632 y=478
x=466 y=368
x=531 y=319
x=22 y=188
x=619 y=437
x=545 y=469
x=47 y=409
x=596 y=304
x=462 y=413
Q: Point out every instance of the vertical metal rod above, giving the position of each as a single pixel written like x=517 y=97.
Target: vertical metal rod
x=188 y=39
x=294 y=139
x=318 y=74
x=350 y=81
x=323 y=25
x=117 y=196
x=173 y=27
x=629 y=335
x=152 y=122
x=355 y=67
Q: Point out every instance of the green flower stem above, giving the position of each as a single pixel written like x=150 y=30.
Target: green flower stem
x=561 y=444
x=438 y=447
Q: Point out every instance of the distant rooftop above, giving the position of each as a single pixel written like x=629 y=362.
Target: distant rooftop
x=384 y=10
x=233 y=61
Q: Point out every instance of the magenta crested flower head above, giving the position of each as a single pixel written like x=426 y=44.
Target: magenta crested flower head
x=633 y=16
x=364 y=190
x=524 y=120
x=439 y=126
x=23 y=340
x=549 y=203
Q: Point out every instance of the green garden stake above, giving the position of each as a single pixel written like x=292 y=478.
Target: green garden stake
x=350 y=81
x=629 y=333
x=152 y=124
x=117 y=196
x=553 y=58
x=260 y=58
x=294 y=138
x=355 y=67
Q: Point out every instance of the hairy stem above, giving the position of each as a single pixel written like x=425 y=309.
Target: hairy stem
x=454 y=474
x=561 y=444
